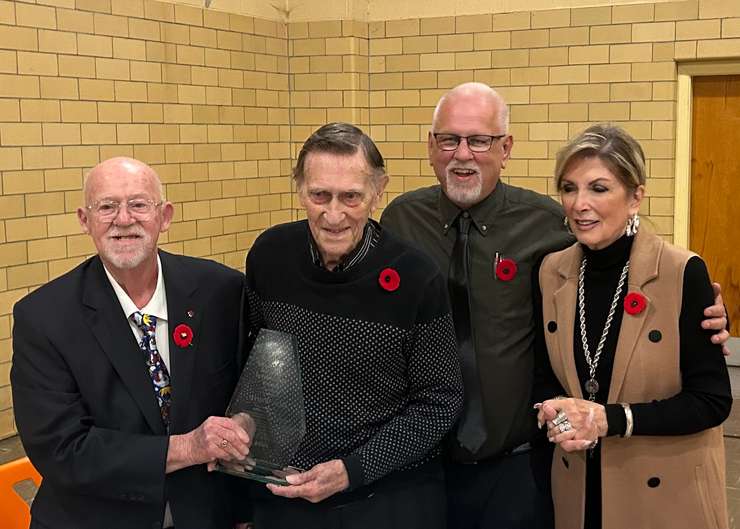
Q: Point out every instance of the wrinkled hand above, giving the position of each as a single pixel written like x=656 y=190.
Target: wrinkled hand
x=216 y=438
x=587 y=420
x=207 y=441
x=716 y=320
x=315 y=485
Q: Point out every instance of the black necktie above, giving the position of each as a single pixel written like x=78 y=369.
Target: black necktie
x=471 y=431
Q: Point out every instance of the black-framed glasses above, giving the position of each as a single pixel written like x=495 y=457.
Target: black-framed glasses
x=476 y=142
x=140 y=208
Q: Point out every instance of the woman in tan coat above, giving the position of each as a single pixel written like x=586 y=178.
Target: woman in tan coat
x=638 y=437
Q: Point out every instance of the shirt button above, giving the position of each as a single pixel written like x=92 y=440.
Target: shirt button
x=447 y=226
x=466 y=214
x=484 y=227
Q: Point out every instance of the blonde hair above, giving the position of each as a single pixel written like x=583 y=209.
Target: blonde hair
x=613 y=146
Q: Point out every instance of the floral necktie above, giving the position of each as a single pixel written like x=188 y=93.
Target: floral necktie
x=154 y=364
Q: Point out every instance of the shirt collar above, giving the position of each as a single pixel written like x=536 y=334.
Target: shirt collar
x=157 y=306
x=482 y=213
x=370 y=238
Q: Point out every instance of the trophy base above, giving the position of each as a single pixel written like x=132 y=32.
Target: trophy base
x=262 y=472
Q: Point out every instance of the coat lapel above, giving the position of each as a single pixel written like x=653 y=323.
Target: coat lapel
x=182 y=308
x=565 y=301
x=111 y=329
x=644 y=261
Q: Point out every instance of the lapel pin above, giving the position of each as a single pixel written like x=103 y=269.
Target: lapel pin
x=634 y=303
x=191 y=313
x=504 y=269
x=183 y=335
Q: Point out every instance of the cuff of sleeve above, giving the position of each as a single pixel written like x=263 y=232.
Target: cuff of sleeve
x=615 y=419
x=242 y=503
x=353 y=464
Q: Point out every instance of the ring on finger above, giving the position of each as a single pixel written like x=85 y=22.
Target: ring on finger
x=560 y=418
x=564 y=426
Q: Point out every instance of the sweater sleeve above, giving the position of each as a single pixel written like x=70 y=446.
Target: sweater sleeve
x=435 y=395
x=705 y=398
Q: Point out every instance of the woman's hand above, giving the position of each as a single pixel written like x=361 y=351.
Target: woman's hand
x=575 y=424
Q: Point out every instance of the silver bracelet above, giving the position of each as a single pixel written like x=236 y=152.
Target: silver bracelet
x=630 y=420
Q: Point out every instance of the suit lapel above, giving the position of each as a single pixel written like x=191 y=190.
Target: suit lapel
x=111 y=329
x=644 y=261
x=182 y=308
x=565 y=301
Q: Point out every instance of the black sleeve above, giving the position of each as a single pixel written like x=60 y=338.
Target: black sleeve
x=435 y=394
x=705 y=398
x=252 y=319
x=546 y=384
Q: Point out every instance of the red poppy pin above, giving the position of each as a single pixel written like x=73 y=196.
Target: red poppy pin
x=506 y=269
x=389 y=279
x=183 y=335
x=634 y=303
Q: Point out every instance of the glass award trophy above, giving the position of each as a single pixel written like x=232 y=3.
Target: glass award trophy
x=268 y=404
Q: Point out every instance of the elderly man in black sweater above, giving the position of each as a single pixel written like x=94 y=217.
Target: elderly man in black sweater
x=376 y=346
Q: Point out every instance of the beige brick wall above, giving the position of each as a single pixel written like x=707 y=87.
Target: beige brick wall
x=201 y=95
x=559 y=69
x=329 y=79
x=220 y=102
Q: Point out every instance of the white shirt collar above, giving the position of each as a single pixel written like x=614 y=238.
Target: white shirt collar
x=157 y=306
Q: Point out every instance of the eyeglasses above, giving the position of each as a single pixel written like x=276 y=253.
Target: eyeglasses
x=140 y=208
x=476 y=142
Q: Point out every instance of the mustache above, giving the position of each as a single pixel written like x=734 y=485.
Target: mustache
x=463 y=166
x=137 y=232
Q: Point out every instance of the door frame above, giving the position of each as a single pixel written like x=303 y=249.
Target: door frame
x=684 y=124
x=682 y=190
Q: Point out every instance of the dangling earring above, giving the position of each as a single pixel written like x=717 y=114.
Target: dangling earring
x=567 y=225
x=632 y=224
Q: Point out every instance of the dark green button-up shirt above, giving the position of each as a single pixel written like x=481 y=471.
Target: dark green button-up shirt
x=511 y=223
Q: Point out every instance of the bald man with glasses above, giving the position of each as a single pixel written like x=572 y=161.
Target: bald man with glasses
x=122 y=368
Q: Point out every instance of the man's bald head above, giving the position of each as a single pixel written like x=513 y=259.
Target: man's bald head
x=120 y=167
x=479 y=94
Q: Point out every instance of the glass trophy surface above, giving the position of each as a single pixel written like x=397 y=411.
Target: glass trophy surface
x=268 y=404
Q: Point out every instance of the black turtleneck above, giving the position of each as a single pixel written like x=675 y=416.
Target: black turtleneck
x=603 y=269
x=705 y=398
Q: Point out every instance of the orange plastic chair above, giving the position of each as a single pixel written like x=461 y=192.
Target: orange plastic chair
x=14 y=511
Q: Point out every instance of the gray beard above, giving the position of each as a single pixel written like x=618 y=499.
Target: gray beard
x=466 y=196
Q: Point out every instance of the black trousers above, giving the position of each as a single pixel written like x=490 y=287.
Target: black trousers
x=505 y=492
x=413 y=499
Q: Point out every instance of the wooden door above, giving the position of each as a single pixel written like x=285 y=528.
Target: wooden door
x=714 y=225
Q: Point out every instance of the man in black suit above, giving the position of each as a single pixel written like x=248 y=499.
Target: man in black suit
x=121 y=368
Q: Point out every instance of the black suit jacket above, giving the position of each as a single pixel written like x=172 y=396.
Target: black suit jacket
x=85 y=407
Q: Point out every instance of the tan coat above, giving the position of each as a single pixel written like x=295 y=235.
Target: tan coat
x=689 y=492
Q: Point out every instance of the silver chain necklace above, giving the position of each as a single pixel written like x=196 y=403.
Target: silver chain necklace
x=591 y=385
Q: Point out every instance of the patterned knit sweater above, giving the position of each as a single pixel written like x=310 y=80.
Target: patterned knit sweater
x=379 y=367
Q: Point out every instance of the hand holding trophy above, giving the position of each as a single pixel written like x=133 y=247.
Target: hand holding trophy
x=268 y=404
